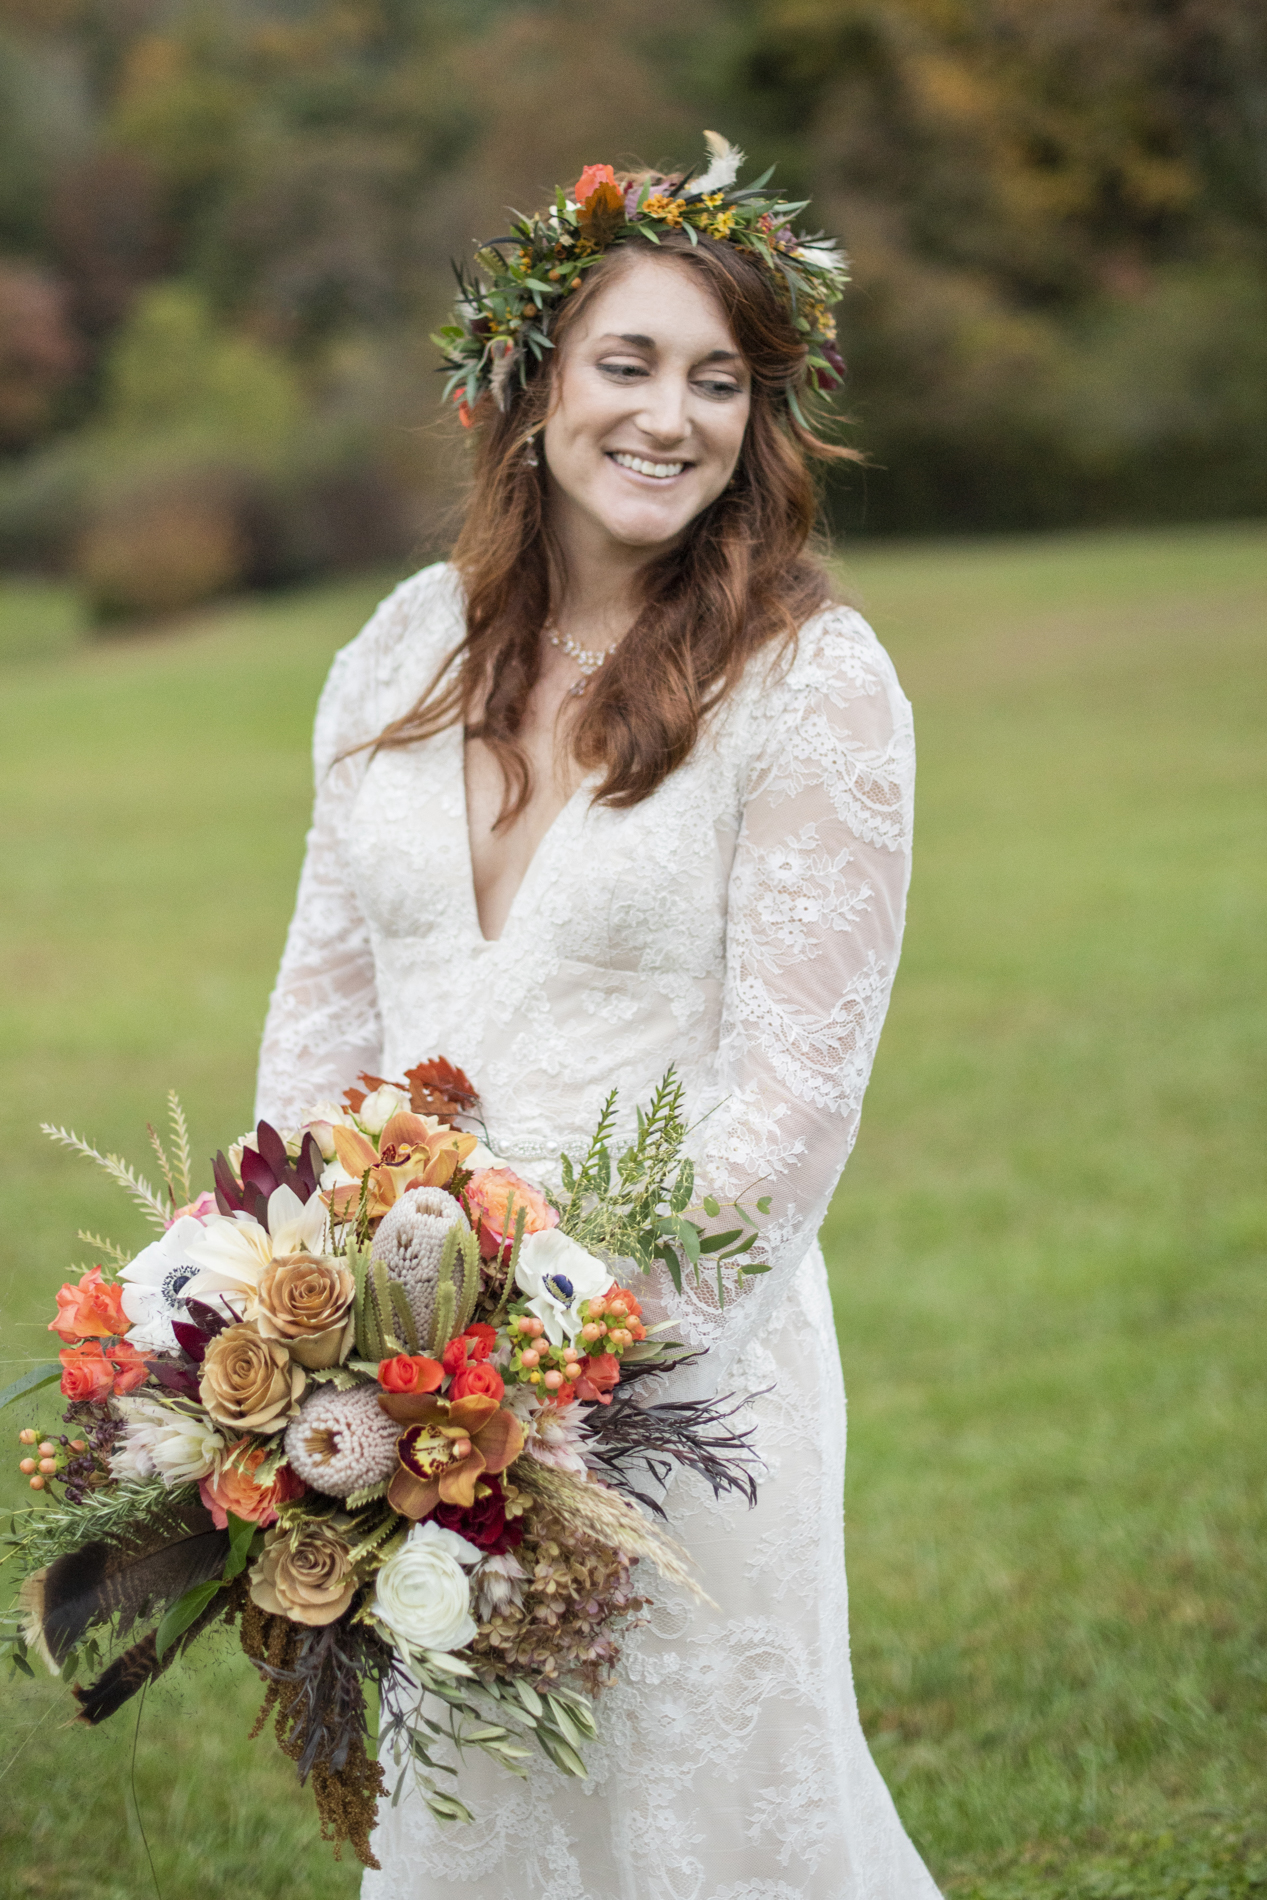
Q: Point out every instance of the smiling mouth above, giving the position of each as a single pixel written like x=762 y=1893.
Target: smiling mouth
x=659 y=471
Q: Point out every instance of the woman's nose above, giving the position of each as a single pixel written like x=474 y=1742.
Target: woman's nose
x=663 y=413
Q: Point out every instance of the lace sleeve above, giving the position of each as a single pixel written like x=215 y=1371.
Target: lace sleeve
x=816 y=908
x=323 y=1023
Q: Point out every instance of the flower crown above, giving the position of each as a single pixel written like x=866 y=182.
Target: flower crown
x=502 y=325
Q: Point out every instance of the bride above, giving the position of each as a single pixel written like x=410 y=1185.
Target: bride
x=618 y=788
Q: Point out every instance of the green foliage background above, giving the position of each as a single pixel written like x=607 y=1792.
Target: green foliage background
x=1047 y=1252
x=1058 y=215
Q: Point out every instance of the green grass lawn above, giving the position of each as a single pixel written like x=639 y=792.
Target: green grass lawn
x=1047 y=1253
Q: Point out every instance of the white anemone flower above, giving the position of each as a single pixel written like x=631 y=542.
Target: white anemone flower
x=231 y=1253
x=156 y=1285
x=557 y=1274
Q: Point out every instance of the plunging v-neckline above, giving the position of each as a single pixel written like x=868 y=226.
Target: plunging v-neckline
x=545 y=838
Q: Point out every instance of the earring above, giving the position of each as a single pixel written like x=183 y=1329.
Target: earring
x=530 y=451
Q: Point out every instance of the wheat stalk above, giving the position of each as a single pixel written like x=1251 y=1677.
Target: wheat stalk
x=133 y=1183
x=594 y=1510
x=180 y=1142
x=119 y=1256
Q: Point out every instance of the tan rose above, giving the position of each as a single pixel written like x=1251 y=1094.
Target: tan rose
x=304 y=1574
x=249 y=1383
x=306 y=1302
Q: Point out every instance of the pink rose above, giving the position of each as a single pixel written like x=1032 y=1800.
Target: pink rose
x=590 y=181
x=198 y=1209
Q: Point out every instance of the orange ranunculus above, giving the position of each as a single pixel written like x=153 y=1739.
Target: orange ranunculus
x=446 y=1449
x=410 y=1372
x=413 y=1151
x=233 y=1488
x=495 y=1196
x=91 y=1310
x=590 y=180
x=477 y=1381
x=600 y=1374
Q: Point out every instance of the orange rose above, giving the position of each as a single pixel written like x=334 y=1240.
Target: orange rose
x=87 y=1374
x=90 y=1373
x=91 y=1310
x=234 y=1489
x=495 y=1197
x=477 y=1382
x=130 y=1367
x=600 y=1374
x=410 y=1372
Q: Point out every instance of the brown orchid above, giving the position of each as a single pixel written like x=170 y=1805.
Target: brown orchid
x=447 y=1446
x=413 y=1151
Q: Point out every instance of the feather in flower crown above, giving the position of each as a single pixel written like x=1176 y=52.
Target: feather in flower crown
x=502 y=326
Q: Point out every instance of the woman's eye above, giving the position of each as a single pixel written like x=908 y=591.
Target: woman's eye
x=624 y=372
x=712 y=387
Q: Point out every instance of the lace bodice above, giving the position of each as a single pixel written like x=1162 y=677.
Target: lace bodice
x=743 y=922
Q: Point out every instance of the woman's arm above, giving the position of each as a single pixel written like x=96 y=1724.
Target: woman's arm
x=816 y=909
x=323 y=1024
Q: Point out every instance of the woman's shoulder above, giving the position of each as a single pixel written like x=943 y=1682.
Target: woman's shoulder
x=381 y=672
x=837 y=670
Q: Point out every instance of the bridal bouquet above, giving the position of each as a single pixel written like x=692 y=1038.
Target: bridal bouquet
x=370 y=1401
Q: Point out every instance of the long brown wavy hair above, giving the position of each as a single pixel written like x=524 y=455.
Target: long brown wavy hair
x=741 y=578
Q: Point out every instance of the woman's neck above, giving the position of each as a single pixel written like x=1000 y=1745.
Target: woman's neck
x=596 y=596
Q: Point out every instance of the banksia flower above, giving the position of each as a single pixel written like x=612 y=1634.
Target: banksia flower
x=410 y=1241
x=342 y=1441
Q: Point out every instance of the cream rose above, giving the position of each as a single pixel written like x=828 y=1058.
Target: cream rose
x=305 y=1301
x=249 y=1383
x=422 y=1593
x=304 y=1574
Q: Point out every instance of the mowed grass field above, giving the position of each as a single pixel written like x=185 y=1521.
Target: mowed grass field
x=1048 y=1249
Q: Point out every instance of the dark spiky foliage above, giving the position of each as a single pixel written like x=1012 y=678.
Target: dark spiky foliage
x=316 y=1685
x=626 y=1438
x=265 y=1167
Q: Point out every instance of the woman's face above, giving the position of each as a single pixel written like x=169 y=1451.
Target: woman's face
x=648 y=410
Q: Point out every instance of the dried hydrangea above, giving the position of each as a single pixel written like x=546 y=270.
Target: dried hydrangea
x=562 y=1624
x=342 y=1442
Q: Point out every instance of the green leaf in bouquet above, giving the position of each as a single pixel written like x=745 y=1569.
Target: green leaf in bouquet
x=579 y=1708
x=763 y=1205
x=447 y=1663
x=241 y=1536
x=184 y=1611
x=561 y=1752
x=446 y=1807
x=756 y=1266
x=711 y=1207
x=714 y=1243
x=404 y=1319
x=562 y=1720
x=529 y=1697
x=665 y=1254
x=568 y=1173
x=683 y=1187
x=30 y=1382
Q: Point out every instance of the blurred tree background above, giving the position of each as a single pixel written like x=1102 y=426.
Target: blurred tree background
x=226 y=226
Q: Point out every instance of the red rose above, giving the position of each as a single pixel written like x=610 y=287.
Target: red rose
x=477 y=1382
x=454 y=1355
x=483 y=1523
x=601 y=1373
x=483 y=1338
x=410 y=1372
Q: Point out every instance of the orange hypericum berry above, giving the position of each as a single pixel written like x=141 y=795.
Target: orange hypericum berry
x=48 y=1466
x=26 y=1466
x=37 y=1482
x=28 y=1437
x=48 y=1448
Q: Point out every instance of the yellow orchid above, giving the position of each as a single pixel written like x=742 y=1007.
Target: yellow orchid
x=413 y=1151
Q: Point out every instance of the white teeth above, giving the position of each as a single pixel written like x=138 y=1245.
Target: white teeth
x=661 y=470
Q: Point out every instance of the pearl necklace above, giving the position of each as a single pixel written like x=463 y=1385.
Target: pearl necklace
x=589 y=659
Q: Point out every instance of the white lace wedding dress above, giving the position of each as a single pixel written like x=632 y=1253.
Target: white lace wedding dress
x=744 y=923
